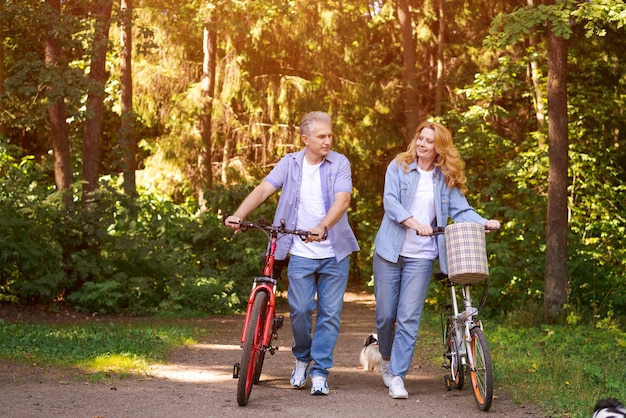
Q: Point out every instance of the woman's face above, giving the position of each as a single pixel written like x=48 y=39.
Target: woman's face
x=425 y=145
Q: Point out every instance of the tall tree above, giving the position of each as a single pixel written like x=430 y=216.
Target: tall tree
x=208 y=90
x=441 y=18
x=56 y=111
x=128 y=143
x=3 y=130
x=535 y=76
x=556 y=271
x=95 y=100
x=411 y=101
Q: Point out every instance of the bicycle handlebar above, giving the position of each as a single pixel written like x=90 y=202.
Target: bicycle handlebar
x=438 y=230
x=280 y=229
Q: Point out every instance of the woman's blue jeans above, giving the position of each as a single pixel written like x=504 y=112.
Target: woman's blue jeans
x=328 y=279
x=400 y=289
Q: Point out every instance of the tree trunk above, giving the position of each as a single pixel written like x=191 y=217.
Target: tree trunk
x=225 y=159
x=556 y=284
x=208 y=90
x=411 y=103
x=56 y=111
x=534 y=75
x=440 y=61
x=3 y=130
x=95 y=104
x=127 y=138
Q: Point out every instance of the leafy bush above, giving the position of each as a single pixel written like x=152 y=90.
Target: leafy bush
x=118 y=255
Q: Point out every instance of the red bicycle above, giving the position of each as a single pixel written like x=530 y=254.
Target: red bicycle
x=261 y=325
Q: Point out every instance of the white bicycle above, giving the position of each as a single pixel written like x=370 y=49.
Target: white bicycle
x=465 y=348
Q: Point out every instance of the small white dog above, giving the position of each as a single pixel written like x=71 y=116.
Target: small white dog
x=370 y=356
x=609 y=408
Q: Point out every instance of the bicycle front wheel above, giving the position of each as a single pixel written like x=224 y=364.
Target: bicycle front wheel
x=260 y=358
x=252 y=348
x=481 y=371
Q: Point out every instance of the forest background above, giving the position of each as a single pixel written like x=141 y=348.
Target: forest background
x=129 y=129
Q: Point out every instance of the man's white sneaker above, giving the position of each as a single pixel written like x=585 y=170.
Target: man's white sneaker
x=396 y=388
x=298 y=376
x=384 y=368
x=319 y=386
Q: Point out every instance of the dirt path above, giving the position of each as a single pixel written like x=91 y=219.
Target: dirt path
x=198 y=383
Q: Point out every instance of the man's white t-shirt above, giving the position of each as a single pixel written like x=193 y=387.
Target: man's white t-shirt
x=311 y=211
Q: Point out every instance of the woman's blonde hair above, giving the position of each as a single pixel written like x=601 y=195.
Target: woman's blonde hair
x=448 y=158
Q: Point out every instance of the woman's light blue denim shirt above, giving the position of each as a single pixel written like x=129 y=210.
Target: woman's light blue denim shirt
x=399 y=191
x=336 y=177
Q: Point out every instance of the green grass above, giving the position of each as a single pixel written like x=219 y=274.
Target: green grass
x=98 y=347
x=563 y=369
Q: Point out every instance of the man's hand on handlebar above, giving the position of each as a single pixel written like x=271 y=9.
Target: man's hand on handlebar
x=233 y=222
x=320 y=234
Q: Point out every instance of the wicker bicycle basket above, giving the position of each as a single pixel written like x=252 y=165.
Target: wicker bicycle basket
x=466 y=252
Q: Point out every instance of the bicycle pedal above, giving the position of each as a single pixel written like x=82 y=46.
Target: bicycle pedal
x=236 y=368
x=272 y=350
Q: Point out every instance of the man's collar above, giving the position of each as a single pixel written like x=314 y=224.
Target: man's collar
x=331 y=157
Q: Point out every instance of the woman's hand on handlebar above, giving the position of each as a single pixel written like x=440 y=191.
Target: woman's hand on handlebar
x=492 y=224
x=424 y=230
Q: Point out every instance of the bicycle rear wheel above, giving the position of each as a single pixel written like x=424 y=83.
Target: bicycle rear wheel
x=457 y=372
x=481 y=371
x=252 y=348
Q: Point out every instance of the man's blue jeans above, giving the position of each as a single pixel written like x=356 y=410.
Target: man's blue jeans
x=329 y=279
x=400 y=289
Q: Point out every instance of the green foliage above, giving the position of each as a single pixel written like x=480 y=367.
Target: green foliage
x=506 y=153
x=508 y=29
x=597 y=15
x=117 y=255
x=31 y=85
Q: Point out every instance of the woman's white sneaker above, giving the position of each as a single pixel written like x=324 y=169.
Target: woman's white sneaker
x=396 y=388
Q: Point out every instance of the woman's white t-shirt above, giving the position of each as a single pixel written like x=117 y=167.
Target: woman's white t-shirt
x=423 y=210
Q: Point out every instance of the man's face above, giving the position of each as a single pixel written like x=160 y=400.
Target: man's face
x=319 y=139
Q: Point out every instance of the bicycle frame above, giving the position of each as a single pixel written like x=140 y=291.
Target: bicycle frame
x=264 y=284
x=463 y=324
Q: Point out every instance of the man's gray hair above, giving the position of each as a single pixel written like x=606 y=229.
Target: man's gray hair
x=316 y=116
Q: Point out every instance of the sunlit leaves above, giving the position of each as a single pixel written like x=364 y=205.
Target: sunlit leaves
x=597 y=14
